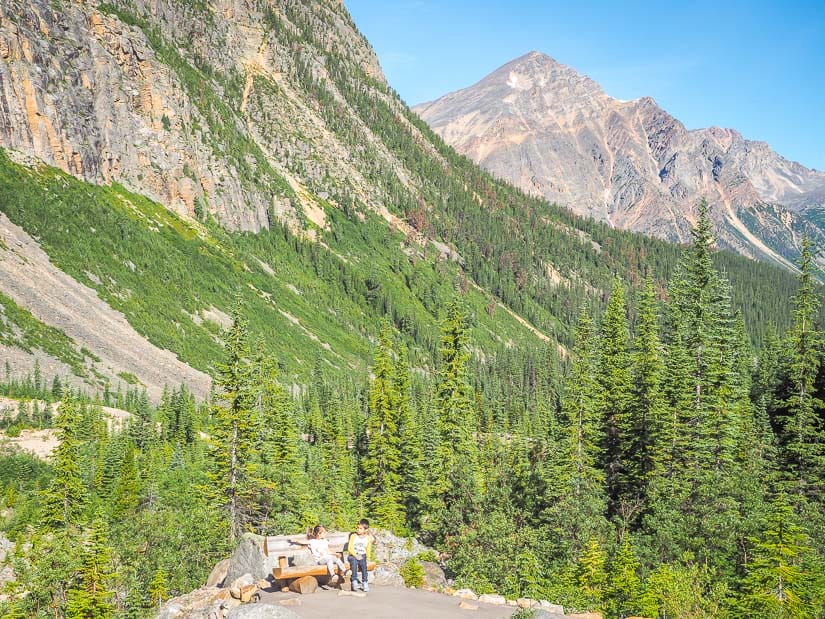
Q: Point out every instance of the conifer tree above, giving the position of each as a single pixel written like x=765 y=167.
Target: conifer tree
x=280 y=447
x=624 y=588
x=776 y=582
x=410 y=439
x=648 y=443
x=575 y=502
x=157 y=589
x=92 y=600
x=802 y=430
x=697 y=496
x=66 y=497
x=455 y=487
x=614 y=381
x=592 y=575
x=232 y=437
x=382 y=462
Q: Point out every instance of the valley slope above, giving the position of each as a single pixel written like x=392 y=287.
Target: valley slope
x=164 y=160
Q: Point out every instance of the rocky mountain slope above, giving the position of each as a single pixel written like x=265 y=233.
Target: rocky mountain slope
x=554 y=132
x=161 y=158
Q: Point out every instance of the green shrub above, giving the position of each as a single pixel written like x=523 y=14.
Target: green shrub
x=412 y=572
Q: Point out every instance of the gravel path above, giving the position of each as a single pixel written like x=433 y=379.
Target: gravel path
x=386 y=603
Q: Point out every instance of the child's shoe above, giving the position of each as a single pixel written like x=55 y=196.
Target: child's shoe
x=366 y=587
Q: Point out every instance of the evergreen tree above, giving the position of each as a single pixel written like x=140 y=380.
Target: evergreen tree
x=575 y=502
x=280 y=448
x=92 y=600
x=455 y=486
x=66 y=497
x=776 y=583
x=648 y=443
x=157 y=589
x=802 y=427
x=614 y=382
x=624 y=590
x=232 y=437
x=382 y=462
x=592 y=575
x=410 y=440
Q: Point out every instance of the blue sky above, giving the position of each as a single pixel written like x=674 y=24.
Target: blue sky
x=758 y=67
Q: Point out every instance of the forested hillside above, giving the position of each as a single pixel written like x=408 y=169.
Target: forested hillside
x=390 y=332
x=669 y=471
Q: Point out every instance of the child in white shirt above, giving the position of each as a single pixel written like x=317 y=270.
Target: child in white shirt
x=319 y=548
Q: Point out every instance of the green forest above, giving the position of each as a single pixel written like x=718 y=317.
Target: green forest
x=666 y=468
x=643 y=435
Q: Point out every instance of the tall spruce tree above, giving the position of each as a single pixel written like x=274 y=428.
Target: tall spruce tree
x=648 y=443
x=575 y=501
x=66 y=497
x=698 y=497
x=410 y=439
x=286 y=485
x=614 y=382
x=93 y=598
x=802 y=426
x=456 y=485
x=382 y=462
x=776 y=584
x=233 y=435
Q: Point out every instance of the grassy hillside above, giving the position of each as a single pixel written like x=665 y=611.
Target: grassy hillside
x=168 y=275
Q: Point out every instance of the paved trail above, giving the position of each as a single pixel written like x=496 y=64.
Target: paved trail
x=385 y=603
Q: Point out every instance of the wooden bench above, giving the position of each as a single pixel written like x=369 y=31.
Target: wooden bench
x=284 y=548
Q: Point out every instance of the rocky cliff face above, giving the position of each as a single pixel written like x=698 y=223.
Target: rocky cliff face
x=553 y=132
x=205 y=107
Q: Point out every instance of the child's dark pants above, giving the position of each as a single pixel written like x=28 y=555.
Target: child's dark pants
x=355 y=564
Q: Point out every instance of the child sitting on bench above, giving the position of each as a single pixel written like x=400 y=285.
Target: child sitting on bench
x=319 y=548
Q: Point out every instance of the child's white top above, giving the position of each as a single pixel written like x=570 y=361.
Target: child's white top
x=319 y=547
x=360 y=545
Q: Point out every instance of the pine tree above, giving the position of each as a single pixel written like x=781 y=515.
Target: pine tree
x=592 y=575
x=410 y=440
x=92 y=600
x=614 y=381
x=624 y=590
x=382 y=462
x=775 y=585
x=696 y=497
x=66 y=497
x=575 y=502
x=280 y=448
x=455 y=487
x=648 y=443
x=232 y=437
x=802 y=432
x=157 y=589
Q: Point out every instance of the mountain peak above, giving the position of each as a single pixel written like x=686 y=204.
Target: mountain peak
x=553 y=131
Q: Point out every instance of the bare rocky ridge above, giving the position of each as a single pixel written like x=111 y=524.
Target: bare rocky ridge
x=553 y=132
x=160 y=103
x=33 y=282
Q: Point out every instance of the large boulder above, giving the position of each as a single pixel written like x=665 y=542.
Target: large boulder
x=434 y=577
x=202 y=603
x=218 y=575
x=262 y=611
x=390 y=548
x=249 y=558
x=386 y=574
